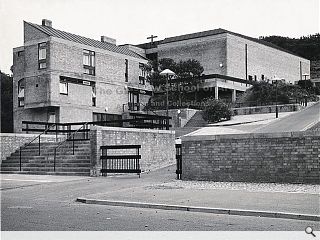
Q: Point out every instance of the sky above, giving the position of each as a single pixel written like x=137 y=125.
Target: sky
x=132 y=21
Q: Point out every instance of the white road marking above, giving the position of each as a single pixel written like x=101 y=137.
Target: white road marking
x=20 y=207
x=309 y=126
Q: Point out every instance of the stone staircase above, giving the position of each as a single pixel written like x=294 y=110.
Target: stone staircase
x=66 y=163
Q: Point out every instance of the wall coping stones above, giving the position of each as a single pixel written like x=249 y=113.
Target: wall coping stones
x=121 y=129
x=251 y=135
x=267 y=106
x=25 y=135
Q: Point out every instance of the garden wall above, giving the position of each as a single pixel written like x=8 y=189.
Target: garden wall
x=266 y=109
x=157 y=146
x=274 y=157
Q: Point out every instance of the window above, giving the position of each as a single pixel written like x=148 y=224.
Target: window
x=94 y=97
x=262 y=77
x=42 y=55
x=89 y=62
x=21 y=87
x=126 y=73
x=63 y=87
x=255 y=77
x=20 y=53
x=99 y=117
x=142 y=74
x=250 y=78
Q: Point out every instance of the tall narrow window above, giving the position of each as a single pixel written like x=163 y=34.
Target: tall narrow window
x=126 y=71
x=89 y=62
x=142 y=74
x=21 y=87
x=63 y=87
x=94 y=96
x=42 y=55
x=262 y=77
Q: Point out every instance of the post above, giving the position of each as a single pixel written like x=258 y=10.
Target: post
x=54 y=160
x=277 y=114
x=39 y=144
x=56 y=132
x=234 y=95
x=20 y=160
x=73 y=144
x=167 y=105
x=216 y=93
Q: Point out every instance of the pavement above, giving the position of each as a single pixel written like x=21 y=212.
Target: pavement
x=264 y=123
x=240 y=124
x=156 y=201
x=299 y=121
x=263 y=200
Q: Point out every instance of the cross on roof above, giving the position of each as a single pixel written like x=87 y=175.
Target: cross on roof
x=152 y=37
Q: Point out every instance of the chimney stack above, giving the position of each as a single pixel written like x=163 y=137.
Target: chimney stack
x=46 y=22
x=108 y=40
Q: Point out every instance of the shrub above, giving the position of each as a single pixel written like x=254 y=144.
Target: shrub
x=215 y=111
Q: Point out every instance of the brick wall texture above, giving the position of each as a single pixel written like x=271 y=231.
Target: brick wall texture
x=11 y=142
x=157 y=146
x=277 y=157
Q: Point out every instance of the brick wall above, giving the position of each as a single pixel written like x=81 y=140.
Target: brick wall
x=157 y=146
x=277 y=157
x=266 y=109
x=10 y=142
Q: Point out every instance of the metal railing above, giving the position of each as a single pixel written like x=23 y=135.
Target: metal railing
x=121 y=162
x=86 y=131
x=39 y=136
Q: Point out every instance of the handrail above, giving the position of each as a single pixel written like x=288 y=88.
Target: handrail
x=39 y=136
x=149 y=109
x=71 y=135
x=167 y=120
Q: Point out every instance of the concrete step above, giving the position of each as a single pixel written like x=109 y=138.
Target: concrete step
x=67 y=163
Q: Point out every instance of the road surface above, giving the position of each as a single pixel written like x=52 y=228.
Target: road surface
x=298 y=121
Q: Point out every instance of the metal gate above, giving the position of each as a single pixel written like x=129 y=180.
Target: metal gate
x=120 y=162
x=179 y=160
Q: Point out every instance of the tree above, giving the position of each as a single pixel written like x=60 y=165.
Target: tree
x=263 y=93
x=6 y=103
x=189 y=71
x=215 y=111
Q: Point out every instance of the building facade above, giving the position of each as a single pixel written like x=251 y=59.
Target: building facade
x=62 y=77
x=231 y=54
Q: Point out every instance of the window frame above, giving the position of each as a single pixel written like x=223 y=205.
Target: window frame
x=21 y=99
x=92 y=62
x=94 y=96
x=67 y=87
x=42 y=46
x=126 y=74
x=142 y=74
